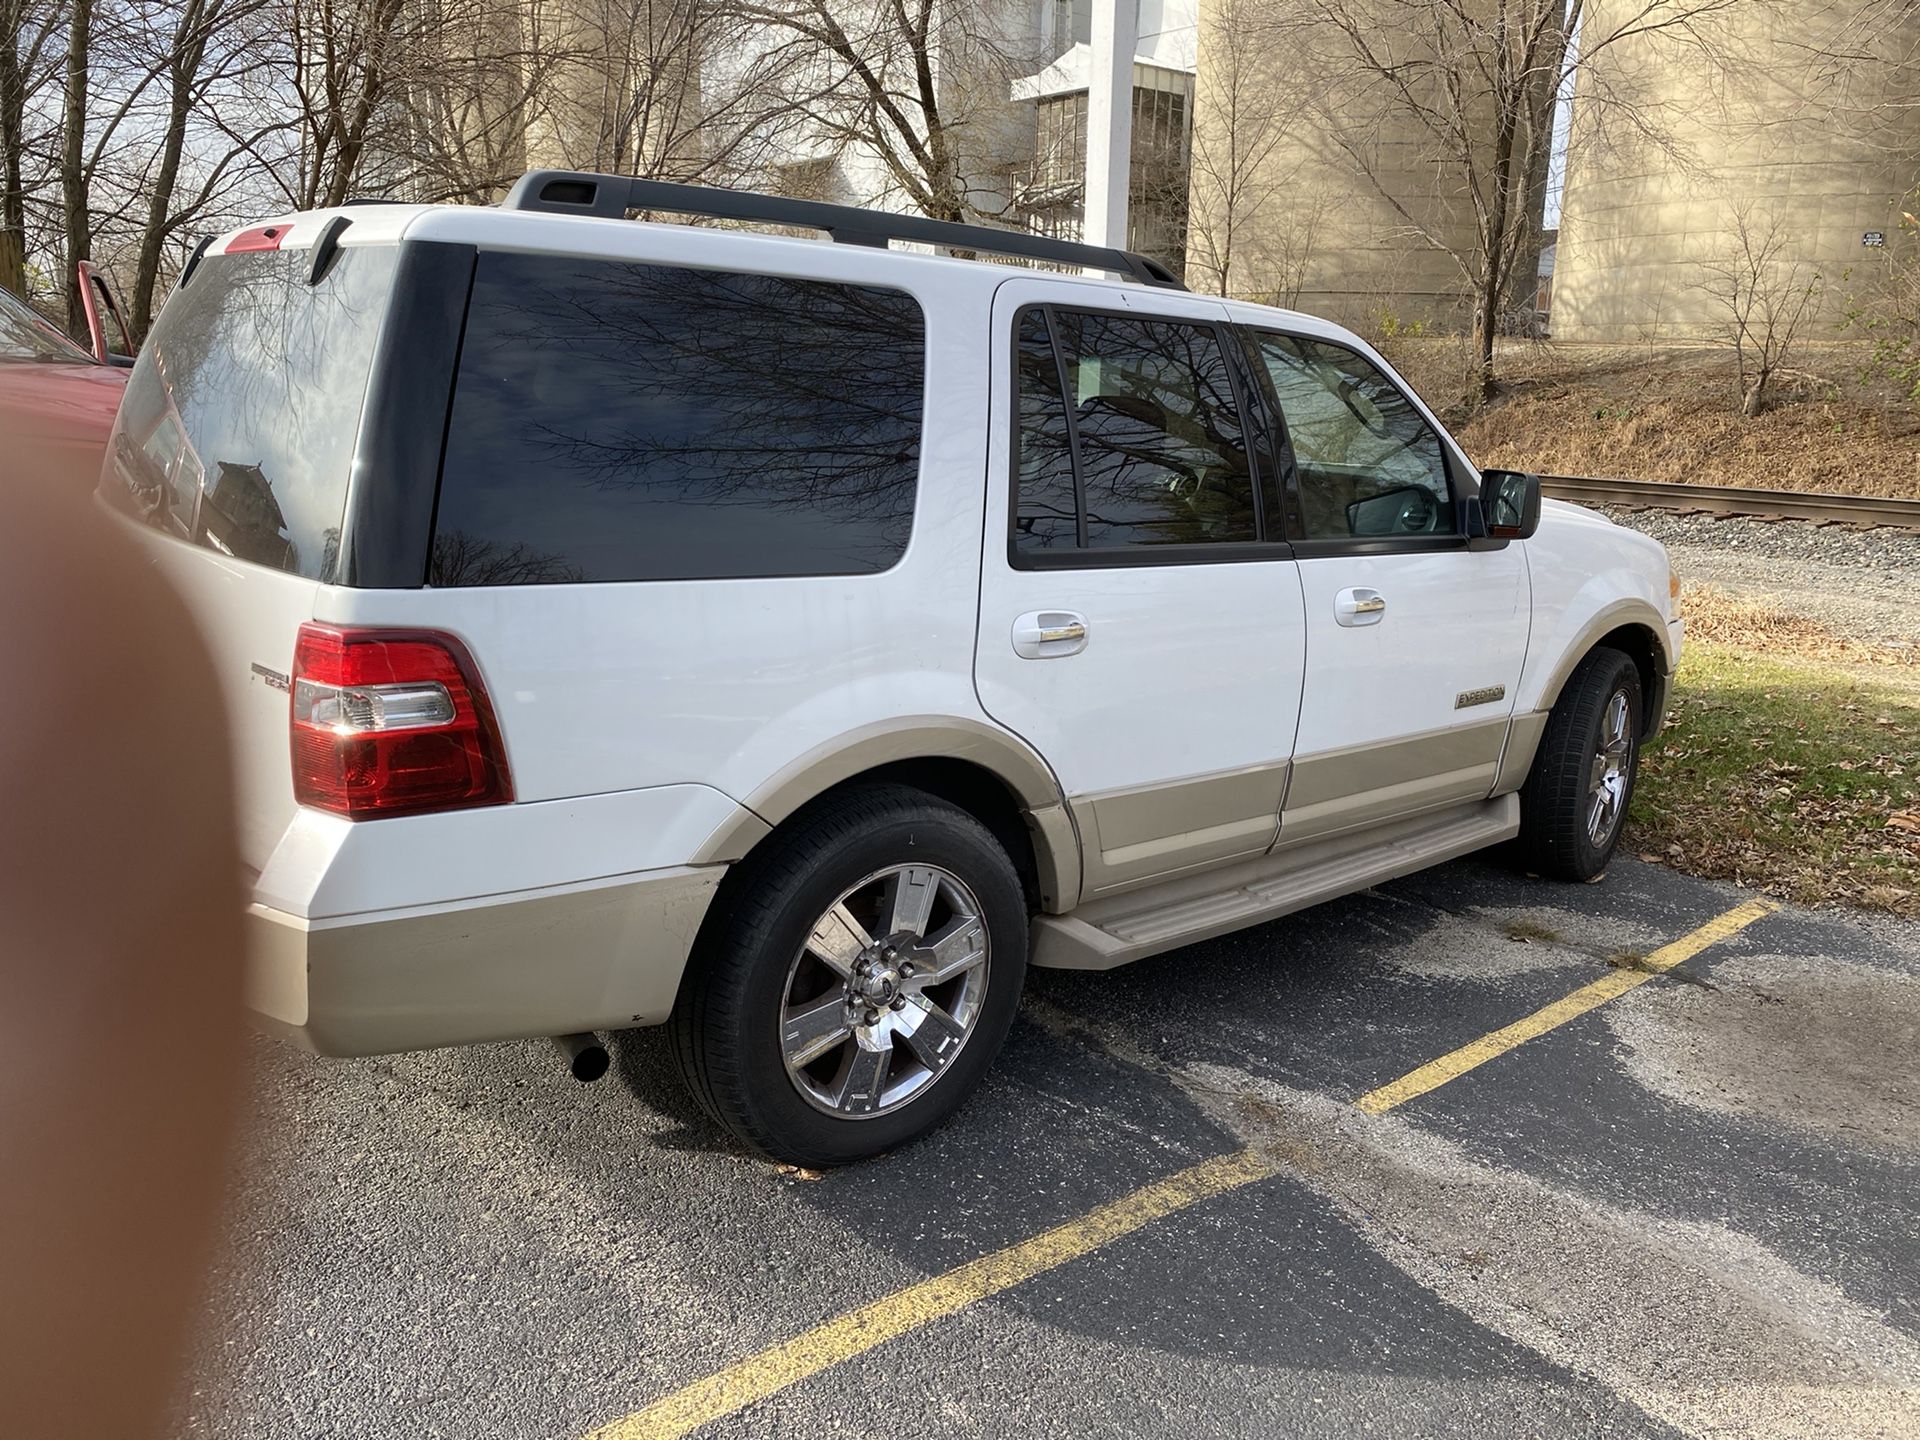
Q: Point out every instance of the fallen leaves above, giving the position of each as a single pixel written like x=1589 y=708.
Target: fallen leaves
x=1788 y=775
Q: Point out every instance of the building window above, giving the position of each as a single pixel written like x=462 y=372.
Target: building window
x=1060 y=144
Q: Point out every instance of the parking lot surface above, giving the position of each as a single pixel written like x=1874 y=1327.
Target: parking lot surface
x=1691 y=1209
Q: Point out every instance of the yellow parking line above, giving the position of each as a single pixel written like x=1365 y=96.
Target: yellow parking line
x=861 y=1330
x=858 y=1331
x=1451 y=1066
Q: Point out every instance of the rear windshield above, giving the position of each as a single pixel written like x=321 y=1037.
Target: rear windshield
x=615 y=421
x=237 y=430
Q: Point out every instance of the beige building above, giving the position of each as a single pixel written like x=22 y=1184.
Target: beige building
x=1811 y=156
x=1312 y=187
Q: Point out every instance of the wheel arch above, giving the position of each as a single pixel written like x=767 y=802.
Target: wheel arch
x=990 y=773
x=1638 y=630
x=1632 y=627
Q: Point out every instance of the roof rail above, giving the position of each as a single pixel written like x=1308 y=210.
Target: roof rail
x=571 y=192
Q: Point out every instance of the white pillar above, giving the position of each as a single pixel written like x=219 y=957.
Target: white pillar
x=1116 y=25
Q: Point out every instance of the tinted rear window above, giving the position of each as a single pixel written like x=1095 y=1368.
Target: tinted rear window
x=237 y=430
x=643 y=422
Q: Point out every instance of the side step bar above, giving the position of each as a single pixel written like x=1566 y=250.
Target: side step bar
x=1104 y=933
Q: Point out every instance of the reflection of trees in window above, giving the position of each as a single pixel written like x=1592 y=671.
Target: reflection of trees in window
x=264 y=375
x=710 y=388
x=463 y=559
x=1163 y=458
x=1047 y=515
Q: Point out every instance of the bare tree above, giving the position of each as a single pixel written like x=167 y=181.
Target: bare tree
x=1238 y=128
x=28 y=30
x=210 y=42
x=1464 y=92
x=347 y=59
x=1764 y=292
x=73 y=171
x=1885 y=307
x=920 y=85
x=674 y=89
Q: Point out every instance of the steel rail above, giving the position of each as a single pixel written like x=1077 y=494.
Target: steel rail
x=1863 y=511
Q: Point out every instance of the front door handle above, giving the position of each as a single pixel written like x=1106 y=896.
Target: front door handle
x=1049 y=634
x=1359 y=606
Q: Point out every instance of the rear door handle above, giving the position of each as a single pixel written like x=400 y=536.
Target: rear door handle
x=1049 y=634
x=1359 y=606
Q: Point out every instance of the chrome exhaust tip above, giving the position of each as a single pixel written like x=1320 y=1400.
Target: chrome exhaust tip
x=587 y=1058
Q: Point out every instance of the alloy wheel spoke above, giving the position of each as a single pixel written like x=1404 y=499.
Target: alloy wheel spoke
x=809 y=1033
x=1597 y=773
x=957 y=948
x=866 y=1078
x=931 y=1033
x=909 y=902
x=1606 y=810
x=838 y=940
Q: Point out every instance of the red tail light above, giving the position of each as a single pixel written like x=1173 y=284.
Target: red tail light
x=392 y=722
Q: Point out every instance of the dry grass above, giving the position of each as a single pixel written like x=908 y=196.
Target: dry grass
x=1715 y=616
x=1648 y=413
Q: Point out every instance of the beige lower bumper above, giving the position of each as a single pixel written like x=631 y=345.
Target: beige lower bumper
x=507 y=967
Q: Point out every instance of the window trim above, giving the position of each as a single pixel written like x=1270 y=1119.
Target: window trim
x=1316 y=547
x=1267 y=545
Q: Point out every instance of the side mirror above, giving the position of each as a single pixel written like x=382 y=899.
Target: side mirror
x=1510 y=503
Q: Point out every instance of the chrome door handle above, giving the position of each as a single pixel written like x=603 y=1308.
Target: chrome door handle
x=1049 y=634
x=1359 y=606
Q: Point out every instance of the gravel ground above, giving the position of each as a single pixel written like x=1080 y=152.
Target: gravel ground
x=1863 y=583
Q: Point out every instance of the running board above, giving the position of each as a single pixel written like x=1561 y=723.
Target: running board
x=1104 y=933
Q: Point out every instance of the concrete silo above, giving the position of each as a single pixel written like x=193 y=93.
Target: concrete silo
x=1795 y=121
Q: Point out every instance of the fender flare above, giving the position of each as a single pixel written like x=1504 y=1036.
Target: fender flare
x=1002 y=754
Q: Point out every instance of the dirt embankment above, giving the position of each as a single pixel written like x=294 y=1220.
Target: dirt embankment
x=1650 y=413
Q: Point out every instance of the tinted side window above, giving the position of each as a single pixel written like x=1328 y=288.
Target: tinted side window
x=1162 y=458
x=1158 y=444
x=1369 y=463
x=1047 y=515
x=645 y=422
x=238 y=426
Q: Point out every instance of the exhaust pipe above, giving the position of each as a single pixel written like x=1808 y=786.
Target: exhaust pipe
x=586 y=1056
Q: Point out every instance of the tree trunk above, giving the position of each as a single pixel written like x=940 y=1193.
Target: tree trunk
x=189 y=45
x=73 y=176
x=13 y=199
x=1486 y=319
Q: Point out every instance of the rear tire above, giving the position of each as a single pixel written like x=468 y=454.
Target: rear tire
x=1574 y=804
x=859 y=973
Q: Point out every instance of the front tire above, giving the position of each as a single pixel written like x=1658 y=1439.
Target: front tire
x=1574 y=804
x=859 y=974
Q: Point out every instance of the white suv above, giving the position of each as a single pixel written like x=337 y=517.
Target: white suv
x=629 y=623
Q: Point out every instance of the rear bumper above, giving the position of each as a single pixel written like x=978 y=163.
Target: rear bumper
x=544 y=962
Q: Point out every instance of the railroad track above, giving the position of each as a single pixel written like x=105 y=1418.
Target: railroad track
x=1863 y=511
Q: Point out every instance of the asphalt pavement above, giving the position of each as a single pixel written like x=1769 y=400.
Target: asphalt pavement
x=1694 y=1209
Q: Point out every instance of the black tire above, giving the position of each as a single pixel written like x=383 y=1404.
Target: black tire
x=727 y=1024
x=1556 y=803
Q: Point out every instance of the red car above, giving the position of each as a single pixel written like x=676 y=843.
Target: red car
x=57 y=401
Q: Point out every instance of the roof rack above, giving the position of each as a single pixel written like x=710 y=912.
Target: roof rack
x=571 y=192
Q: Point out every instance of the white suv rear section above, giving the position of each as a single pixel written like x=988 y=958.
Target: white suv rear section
x=574 y=907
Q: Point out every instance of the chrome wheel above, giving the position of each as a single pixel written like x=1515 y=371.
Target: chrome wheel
x=1607 y=777
x=886 y=991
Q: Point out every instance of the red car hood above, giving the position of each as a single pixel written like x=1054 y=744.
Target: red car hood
x=46 y=400
x=58 y=415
